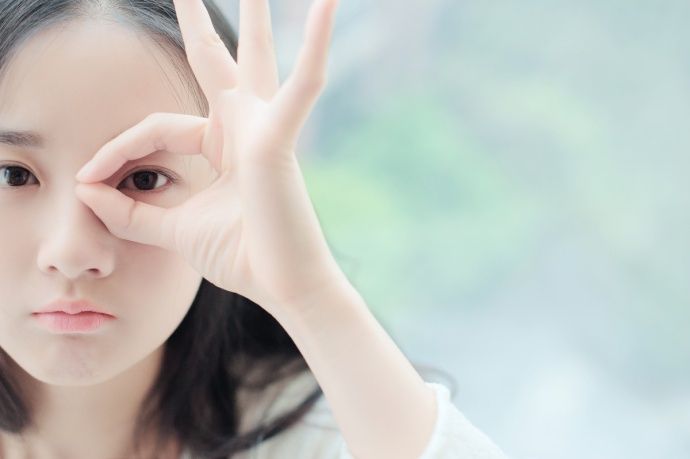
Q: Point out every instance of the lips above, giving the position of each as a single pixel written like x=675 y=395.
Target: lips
x=71 y=307
x=84 y=322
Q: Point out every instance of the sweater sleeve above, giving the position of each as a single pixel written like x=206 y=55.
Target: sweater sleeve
x=453 y=437
x=317 y=436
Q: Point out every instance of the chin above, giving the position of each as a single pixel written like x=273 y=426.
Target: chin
x=69 y=373
x=60 y=365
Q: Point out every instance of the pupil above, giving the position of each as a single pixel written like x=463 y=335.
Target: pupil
x=15 y=173
x=148 y=181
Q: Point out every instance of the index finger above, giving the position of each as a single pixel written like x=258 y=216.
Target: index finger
x=173 y=132
x=212 y=64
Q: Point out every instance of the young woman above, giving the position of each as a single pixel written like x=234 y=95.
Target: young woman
x=167 y=289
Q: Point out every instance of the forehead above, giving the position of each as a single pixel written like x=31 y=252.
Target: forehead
x=88 y=80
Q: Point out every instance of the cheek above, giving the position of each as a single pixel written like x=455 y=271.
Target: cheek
x=17 y=219
x=17 y=263
x=161 y=286
x=24 y=220
x=159 y=294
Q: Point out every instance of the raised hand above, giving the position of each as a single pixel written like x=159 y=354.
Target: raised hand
x=254 y=230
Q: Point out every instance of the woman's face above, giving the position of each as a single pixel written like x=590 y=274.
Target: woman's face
x=77 y=87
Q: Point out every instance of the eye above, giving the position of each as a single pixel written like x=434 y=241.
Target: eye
x=142 y=180
x=145 y=179
x=14 y=176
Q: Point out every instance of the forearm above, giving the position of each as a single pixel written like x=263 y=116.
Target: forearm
x=380 y=402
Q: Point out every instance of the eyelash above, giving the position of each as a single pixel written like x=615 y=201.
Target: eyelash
x=171 y=177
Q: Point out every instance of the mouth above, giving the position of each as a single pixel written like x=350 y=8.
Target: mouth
x=65 y=315
x=72 y=307
x=63 y=322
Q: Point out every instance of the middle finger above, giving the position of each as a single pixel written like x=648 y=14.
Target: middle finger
x=211 y=61
x=258 y=69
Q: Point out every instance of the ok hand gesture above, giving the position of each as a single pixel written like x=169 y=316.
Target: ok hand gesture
x=254 y=230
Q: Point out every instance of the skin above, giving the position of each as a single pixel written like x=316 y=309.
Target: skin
x=253 y=231
x=102 y=81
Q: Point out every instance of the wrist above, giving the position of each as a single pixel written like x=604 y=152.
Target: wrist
x=335 y=293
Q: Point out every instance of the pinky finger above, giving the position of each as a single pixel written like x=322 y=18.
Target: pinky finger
x=296 y=98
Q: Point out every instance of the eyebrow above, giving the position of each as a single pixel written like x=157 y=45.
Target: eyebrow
x=27 y=139
x=21 y=138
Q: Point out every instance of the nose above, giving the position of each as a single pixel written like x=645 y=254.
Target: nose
x=74 y=241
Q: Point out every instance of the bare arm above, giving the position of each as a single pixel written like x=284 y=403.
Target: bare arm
x=380 y=402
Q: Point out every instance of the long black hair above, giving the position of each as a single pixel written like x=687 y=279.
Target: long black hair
x=225 y=337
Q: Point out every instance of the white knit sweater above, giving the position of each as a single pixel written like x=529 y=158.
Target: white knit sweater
x=316 y=435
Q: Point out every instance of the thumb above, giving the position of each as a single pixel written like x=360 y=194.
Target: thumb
x=129 y=219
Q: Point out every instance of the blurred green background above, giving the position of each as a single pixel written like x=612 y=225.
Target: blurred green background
x=506 y=185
